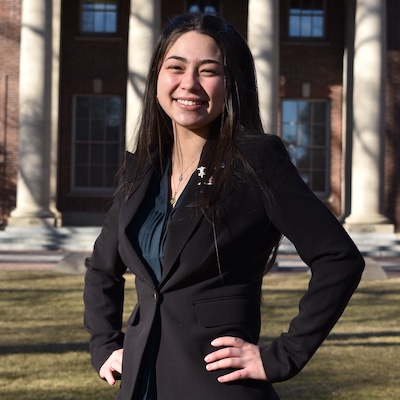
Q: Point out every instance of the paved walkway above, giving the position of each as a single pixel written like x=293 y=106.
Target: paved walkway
x=73 y=262
x=65 y=249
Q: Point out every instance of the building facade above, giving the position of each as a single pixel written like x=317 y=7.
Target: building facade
x=72 y=74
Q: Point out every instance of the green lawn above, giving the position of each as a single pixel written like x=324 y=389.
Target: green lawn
x=44 y=352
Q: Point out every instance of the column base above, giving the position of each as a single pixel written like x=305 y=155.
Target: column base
x=368 y=228
x=35 y=219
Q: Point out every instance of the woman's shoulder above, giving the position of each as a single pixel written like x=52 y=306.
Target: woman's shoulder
x=263 y=147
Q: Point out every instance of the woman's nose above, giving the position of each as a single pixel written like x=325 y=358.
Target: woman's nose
x=190 y=80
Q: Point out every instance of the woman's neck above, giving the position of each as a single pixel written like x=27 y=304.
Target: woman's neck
x=186 y=148
x=186 y=153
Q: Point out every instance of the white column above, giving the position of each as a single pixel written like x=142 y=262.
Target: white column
x=33 y=186
x=55 y=107
x=368 y=119
x=144 y=28
x=263 y=39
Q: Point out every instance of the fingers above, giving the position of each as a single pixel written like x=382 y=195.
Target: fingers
x=112 y=367
x=238 y=354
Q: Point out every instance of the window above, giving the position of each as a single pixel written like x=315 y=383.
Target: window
x=306 y=19
x=207 y=7
x=305 y=128
x=99 y=17
x=97 y=142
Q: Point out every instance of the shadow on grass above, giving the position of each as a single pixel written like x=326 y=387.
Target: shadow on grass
x=351 y=339
x=51 y=348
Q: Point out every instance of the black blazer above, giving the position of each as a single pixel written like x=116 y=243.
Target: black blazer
x=199 y=299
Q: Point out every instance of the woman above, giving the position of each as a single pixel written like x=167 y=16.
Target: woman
x=201 y=209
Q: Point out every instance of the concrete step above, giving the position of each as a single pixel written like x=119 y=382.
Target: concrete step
x=78 y=239
x=81 y=239
x=369 y=244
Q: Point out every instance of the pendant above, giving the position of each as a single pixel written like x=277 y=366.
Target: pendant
x=172 y=200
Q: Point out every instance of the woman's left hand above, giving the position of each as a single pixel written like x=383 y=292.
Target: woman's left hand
x=238 y=354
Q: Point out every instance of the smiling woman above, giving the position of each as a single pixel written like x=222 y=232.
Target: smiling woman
x=201 y=209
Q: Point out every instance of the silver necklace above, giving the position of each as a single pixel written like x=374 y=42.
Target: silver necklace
x=173 y=198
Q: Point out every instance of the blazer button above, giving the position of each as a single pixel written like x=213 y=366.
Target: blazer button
x=155 y=295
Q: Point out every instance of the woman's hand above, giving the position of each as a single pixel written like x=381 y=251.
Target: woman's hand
x=112 y=368
x=238 y=354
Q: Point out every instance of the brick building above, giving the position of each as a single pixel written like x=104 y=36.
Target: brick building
x=71 y=78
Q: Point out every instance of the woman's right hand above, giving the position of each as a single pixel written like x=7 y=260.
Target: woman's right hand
x=112 y=368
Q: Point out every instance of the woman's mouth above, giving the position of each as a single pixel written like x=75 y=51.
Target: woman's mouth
x=189 y=102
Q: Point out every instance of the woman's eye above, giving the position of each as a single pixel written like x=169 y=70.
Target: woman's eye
x=174 y=67
x=209 y=71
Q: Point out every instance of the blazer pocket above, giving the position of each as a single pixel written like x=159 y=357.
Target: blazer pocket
x=227 y=311
x=134 y=317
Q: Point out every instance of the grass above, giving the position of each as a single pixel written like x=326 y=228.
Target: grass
x=44 y=352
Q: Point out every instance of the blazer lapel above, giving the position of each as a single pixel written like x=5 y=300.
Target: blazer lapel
x=185 y=219
x=126 y=249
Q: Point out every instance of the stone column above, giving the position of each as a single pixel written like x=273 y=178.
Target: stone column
x=33 y=186
x=263 y=39
x=368 y=119
x=144 y=28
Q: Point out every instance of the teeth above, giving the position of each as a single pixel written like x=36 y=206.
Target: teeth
x=188 y=102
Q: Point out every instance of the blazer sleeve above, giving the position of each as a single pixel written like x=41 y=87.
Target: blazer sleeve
x=324 y=245
x=104 y=292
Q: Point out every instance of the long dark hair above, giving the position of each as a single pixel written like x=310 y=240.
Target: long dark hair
x=240 y=115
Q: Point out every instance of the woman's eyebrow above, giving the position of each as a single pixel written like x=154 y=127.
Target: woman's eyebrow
x=184 y=60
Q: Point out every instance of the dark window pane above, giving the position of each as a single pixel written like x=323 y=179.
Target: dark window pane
x=319 y=136
x=82 y=129
x=318 y=179
x=111 y=172
x=320 y=113
x=98 y=105
x=81 y=177
x=97 y=130
x=114 y=108
x=112 y=153
x=112 y=133
x=319 y=157
x=96 y=177
x=82 y=107
x=97 y=155
x=81 y=154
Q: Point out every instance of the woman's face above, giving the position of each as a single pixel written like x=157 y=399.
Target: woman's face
x=190 y=85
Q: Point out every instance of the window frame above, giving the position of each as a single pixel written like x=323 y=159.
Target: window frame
x=302 y=39
x=294 y=147
x=95 y=190
x=104 y=34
